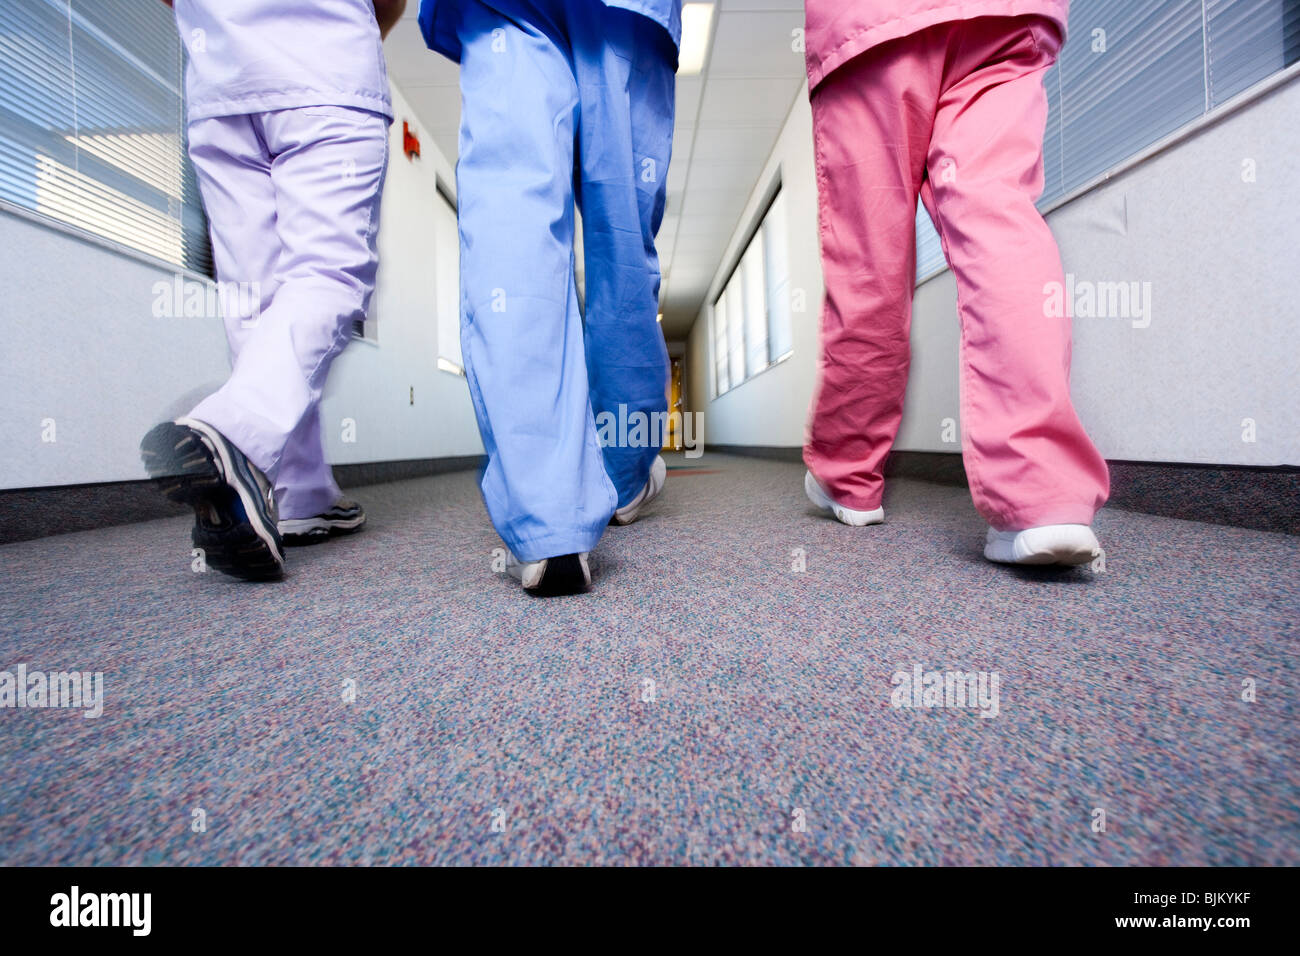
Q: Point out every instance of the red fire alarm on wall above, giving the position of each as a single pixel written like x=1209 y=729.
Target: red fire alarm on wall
x=410 y=142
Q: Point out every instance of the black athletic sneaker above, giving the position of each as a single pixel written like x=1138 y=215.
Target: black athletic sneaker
x=551 y=577
x=234 y=506
x=344 y=517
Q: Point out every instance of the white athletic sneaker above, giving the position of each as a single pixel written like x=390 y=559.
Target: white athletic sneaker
x=1046 y=544
x=564 y=574
x=818 y=496
x=653 y=485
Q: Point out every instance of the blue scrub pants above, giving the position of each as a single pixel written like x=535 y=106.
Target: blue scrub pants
x=564 y=103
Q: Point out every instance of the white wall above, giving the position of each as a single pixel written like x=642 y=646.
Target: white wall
x=769 y=409
x=371 y=383
x=82 y=347
x=1224 y=333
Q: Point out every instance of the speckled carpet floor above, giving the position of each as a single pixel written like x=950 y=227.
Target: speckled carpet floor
x=706 y=703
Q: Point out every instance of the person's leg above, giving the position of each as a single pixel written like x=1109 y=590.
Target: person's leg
x=625 y=70
x=327 y=169
x=871 y=130
x=233 y=169
x=191 y=462
x=1027 y=456
x=544 y=483
x=304 y=485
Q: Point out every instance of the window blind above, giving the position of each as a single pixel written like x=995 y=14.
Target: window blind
x=92 y=124
x=751 y=316
x=755 y=284
x=721 y=381
x=1134 y=71
x=735 y=311
x=780 y=335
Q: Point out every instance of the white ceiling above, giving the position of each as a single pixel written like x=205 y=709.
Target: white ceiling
x=728 y=118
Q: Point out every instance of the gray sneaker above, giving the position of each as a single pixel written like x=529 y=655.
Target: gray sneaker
x=234 y=506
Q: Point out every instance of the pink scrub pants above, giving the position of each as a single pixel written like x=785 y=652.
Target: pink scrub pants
x=955 y=114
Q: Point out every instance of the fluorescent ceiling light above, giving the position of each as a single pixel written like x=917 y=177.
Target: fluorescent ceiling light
x=697 y=19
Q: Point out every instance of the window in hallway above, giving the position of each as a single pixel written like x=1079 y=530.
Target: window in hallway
x=721 y=380
x=1135 y=71
x=777 y=259
x=92 y=133
x=754 y=284
x=751 y=317
x=447 y=279
x=736 y=332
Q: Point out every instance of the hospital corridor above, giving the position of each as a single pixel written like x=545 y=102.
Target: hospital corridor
x=650 y=434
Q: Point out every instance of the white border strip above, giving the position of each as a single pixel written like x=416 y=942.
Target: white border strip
x=85 y=235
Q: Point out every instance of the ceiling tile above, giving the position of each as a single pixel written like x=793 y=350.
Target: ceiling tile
x=755 y=101
x=733 y=146
x=687 y=100
x=411 y=63
x=726 y=175
x=757 y=44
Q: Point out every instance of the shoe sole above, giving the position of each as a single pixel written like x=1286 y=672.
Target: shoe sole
x=1070 y=553
x=308 y=531
x=188 y=472
x=1064 y=556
